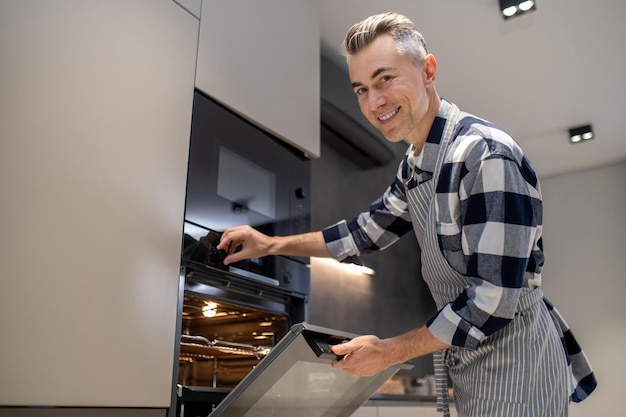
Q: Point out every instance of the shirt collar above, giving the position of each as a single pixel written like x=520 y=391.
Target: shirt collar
x=424 y=163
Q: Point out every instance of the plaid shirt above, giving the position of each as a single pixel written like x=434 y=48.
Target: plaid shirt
x=489 y=222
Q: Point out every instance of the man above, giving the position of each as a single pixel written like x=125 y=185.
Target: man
x=471 y=197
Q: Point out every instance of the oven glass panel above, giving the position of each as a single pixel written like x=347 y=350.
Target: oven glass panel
x=240 y=174
x=246 y=184
x=296 y=380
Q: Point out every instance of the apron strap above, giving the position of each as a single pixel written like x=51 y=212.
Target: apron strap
x=440 y=357
x=441 y=381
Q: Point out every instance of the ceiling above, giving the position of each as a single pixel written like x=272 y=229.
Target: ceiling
x=536 y=75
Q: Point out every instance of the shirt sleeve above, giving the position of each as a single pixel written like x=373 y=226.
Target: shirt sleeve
x=386 y=221
x=489 y=228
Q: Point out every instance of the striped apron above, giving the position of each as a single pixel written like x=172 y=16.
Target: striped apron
x=521 y=370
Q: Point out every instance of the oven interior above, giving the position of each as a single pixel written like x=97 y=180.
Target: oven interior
x=228 y=324
x=222 y=342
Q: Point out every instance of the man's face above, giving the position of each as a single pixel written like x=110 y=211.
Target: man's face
x=393 y=93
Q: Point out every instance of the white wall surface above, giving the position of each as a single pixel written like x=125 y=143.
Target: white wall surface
x=585 y=272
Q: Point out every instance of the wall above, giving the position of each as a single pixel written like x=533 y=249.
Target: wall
x=585 y=246
x=393 y=301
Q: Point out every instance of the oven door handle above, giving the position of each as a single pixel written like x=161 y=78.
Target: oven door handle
x=321 y=346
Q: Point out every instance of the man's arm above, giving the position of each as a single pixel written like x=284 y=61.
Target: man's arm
x=254 y=244
x=369 y=355
x=492 y=234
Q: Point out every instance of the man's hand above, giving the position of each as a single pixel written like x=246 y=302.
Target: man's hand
x=363 y=356
x=248 y=242
x=369 y=355
x=244 y=242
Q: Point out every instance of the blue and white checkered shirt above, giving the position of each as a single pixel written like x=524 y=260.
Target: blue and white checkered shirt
x=489 y=222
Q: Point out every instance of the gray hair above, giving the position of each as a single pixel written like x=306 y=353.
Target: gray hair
x=410 y=40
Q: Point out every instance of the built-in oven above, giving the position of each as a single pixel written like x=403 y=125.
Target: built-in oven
x=230 y=317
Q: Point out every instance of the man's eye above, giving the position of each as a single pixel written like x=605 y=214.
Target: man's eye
x=360 y=91
x=385 y=78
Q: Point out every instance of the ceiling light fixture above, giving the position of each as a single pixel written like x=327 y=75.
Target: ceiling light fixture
x=580 y=134
x=513 y=8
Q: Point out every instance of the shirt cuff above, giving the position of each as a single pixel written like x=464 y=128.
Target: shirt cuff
x=450 y=328
x=339 y=241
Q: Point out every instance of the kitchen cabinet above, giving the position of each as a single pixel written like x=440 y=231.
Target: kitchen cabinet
x=95 y=114
x=396 y=410
x=402 y=411
x=192 y=6
x=261 y=59
x=432 y=411
x=365 y=411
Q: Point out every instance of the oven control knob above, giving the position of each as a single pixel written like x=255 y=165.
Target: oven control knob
x=300 y=193
x=287 y=278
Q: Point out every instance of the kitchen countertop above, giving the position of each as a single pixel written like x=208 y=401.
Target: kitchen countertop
x=399 y=399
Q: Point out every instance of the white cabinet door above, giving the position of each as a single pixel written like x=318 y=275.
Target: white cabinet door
x=366 y=411
x=432 y=411
x=262 y=59
x=422 y=410
x=401 y=411
x=95 y=117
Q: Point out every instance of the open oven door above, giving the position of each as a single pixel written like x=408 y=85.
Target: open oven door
x=296 y=379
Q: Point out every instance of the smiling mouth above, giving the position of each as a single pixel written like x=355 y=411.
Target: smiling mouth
x=388 y=116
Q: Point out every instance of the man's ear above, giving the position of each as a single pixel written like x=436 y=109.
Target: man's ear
x=430 y=68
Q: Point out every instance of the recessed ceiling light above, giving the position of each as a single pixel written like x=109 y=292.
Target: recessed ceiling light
x=512 y=8
x=526 y=5
x=580 y=134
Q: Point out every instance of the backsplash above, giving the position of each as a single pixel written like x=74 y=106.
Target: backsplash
x=391 y=302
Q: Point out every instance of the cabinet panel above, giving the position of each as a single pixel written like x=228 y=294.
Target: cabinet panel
x=417 y=410
x=261 y=58
x=401 y=411
x=366 y=411
x=95 y=116
x=432 y=411
x=192 y=6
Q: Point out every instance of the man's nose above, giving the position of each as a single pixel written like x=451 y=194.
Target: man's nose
x=376 y=99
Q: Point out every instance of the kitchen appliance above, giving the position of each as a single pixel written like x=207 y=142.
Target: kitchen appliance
x=230 y=317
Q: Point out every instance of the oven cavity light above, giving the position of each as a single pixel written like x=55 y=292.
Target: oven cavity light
x=209 y=309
